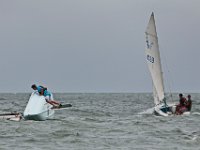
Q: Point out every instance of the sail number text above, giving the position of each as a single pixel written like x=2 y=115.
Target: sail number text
x=150 y=58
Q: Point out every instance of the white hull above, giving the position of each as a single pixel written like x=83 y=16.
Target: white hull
x=37 y=108
x=168 y=110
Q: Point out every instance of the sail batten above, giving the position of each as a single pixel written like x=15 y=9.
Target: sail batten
x=154 y=61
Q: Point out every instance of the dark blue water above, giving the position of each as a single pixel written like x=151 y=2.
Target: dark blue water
x=100 y=121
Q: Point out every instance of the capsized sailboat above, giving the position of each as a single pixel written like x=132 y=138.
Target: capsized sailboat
x=154 y=64
x=37 y=108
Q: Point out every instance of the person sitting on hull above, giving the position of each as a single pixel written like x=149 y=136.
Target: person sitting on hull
x=49 y=98
x=189 y=103
x=181 y=107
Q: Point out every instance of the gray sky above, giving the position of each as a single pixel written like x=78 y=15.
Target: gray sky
x=96 y=45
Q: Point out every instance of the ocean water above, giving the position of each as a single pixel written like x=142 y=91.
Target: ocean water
x=100 y=122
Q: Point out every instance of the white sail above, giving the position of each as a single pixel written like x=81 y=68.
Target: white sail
x=155 y=96
x=153 y=61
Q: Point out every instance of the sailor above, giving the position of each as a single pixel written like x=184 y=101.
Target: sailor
x=189 y=103
x=49 y=98
x=38 y=88
x=181 y=107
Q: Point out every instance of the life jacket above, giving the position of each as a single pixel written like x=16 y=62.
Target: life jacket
x=183 y=101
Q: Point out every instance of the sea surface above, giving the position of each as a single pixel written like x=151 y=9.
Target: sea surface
x=109 y=121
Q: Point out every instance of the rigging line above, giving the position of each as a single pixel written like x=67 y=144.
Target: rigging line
x=170 y=77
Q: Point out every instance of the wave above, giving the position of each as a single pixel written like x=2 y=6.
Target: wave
x=147 y=112
x=196 y=113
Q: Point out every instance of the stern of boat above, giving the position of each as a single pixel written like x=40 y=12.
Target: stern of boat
x=165 y=110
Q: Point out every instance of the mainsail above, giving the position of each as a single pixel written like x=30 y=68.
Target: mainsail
x=153 y=61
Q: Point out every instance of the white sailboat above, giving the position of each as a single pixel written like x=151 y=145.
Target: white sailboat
x=155 y=68
x=37 y=108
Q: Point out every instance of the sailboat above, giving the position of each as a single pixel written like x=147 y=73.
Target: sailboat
x=37 y=108
x=154 y=64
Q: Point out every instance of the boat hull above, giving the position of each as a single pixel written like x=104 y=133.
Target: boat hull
x=37 y=108
x=167 y=110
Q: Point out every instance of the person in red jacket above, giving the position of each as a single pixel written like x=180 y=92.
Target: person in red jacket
x=181 y=107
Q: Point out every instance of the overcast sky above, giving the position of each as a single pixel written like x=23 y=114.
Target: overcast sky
x=97 y=45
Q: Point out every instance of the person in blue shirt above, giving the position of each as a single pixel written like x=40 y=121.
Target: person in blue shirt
x=48 y=95
x=38 y=88
x=49 y=98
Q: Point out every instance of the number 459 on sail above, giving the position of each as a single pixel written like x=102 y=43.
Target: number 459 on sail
x=150 y=58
